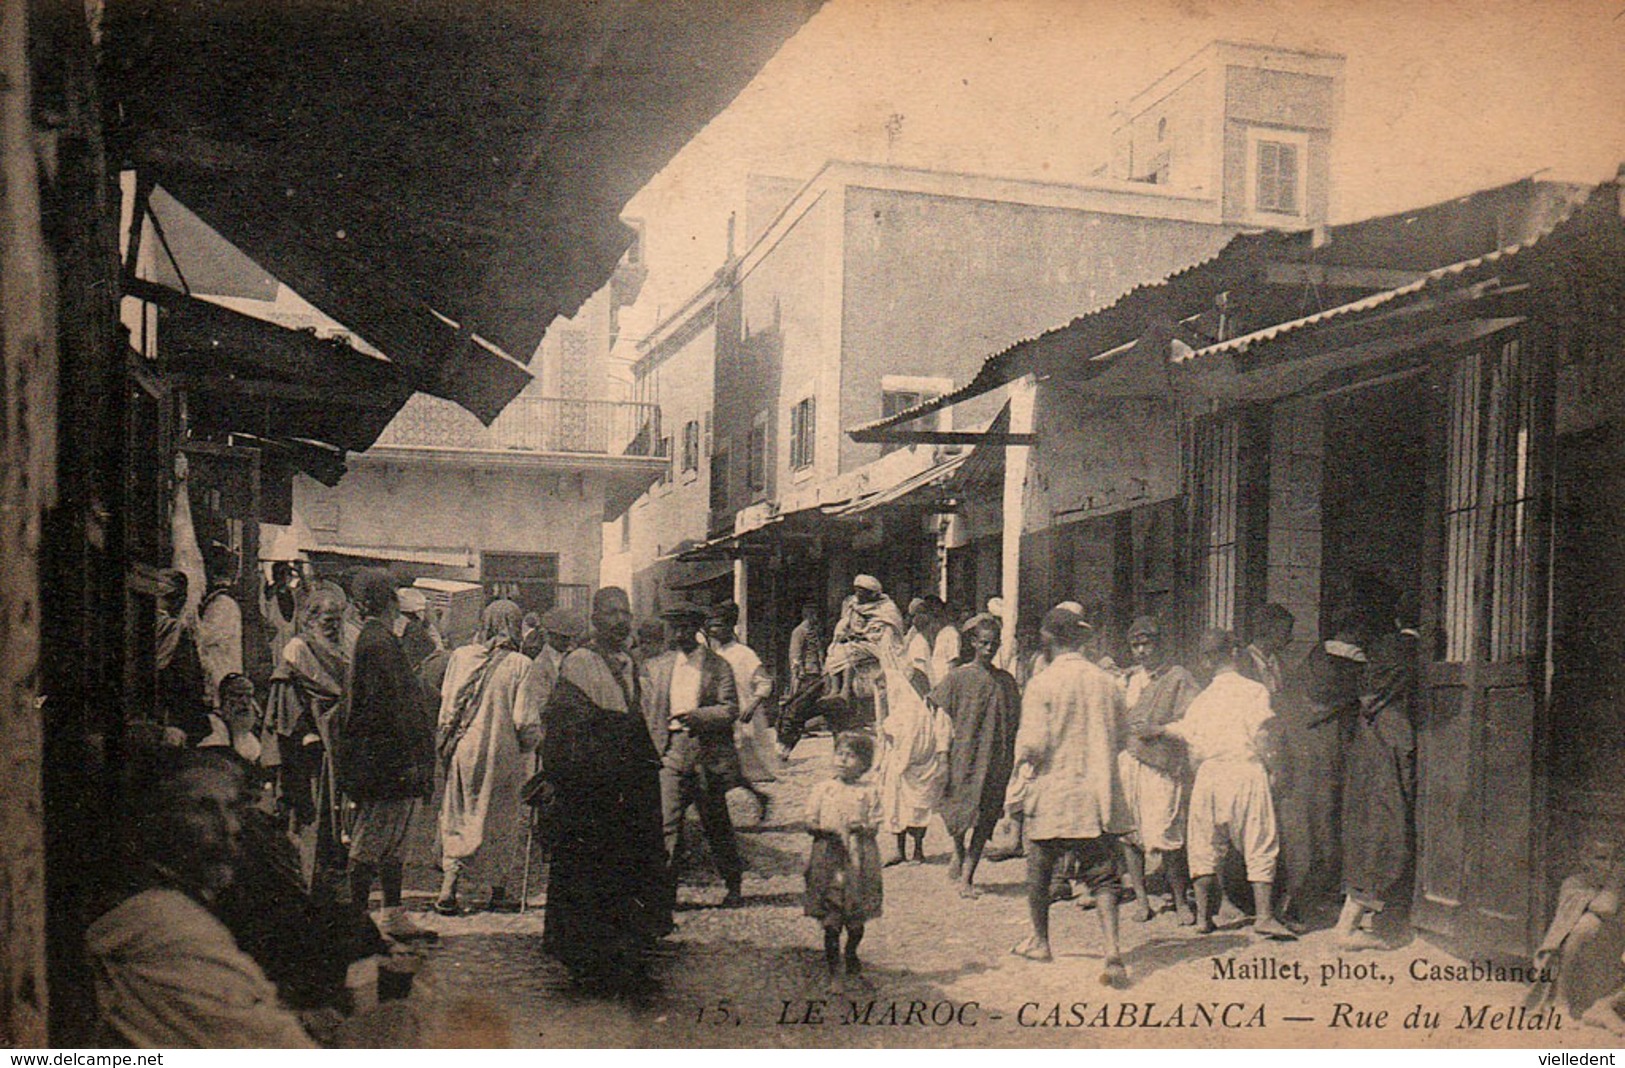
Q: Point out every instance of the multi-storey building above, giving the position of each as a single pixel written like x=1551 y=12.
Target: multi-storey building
x=870 y=290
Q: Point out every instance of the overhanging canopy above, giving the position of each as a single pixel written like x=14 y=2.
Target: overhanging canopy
x=247 y=376
x=425 y=171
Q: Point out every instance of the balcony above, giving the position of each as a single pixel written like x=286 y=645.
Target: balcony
x=529 y=425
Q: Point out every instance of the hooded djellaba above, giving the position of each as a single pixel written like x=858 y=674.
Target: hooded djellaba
x=484 y=730
x=306 y=691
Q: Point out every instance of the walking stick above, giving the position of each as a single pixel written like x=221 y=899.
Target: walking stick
x=530 y=837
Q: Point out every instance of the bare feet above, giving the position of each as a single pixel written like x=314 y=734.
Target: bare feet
x=956 y=869
x=1360 y=940
x=892 y=862
x=837 y=984
x=1205 y=926
x=969 y=892
x=1142 y=910
x=1114 y=975
x=1032 y=949
x=1187 y=915
x=1272 y=928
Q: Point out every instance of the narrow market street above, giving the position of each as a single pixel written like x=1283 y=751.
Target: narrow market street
x=938 y=968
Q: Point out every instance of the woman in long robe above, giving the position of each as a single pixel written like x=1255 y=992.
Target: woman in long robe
x=609 y=894
x=487 y=729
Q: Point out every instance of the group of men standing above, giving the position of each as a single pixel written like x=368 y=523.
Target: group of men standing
x=1301 y=776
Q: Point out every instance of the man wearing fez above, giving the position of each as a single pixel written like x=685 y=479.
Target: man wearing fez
x=691 y=707
x=608 y=894
x=1070 y=734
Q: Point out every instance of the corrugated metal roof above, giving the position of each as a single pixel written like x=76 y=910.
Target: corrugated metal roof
x=1431 y=280
x=1414 y=239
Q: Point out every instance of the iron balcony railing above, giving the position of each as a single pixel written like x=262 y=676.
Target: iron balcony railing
x=530 y=424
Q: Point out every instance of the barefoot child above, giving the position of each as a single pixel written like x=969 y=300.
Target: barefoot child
x=843 y=872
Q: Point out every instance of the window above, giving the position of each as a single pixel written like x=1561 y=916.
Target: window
x=626 y=531
x=803 y=433
x=1218 y=477
x=691 y=446
x=893 y=401
x=1276 y=172
x=756 y=456
x=719 y=481
x=1488 y=506
x=665 y=452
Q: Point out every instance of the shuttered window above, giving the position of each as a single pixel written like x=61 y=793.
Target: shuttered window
x=1277 y=178
x=803 y=433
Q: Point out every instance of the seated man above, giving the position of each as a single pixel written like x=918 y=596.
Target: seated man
x=167 y=972
x=1581 y=950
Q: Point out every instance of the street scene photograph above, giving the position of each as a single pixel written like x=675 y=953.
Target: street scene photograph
x=812 y=524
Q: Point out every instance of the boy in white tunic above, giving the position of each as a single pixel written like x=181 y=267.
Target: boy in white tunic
x=1226 y=730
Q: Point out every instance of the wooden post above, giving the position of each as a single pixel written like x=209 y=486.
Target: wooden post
x=26 y=449
x=1023 y=395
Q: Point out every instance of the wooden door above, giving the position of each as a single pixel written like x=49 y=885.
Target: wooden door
x=1477 y=801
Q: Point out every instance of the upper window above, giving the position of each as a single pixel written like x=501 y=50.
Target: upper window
x=1276 y=172
x=899 y=393
x=756 y=455
x=665 y=454
x=893 y=401
x=803 y=433
x=691 y=446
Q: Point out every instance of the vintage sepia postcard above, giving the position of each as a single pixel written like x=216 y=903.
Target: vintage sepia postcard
x=812 y=523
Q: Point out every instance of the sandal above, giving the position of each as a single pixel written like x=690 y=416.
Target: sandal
x=1029 y=949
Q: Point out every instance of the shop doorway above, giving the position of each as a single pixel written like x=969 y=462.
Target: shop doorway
x=1373 y=497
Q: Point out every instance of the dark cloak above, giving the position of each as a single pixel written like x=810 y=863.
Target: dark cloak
x=609 y=893
x=985 y=707
x=1380 y=772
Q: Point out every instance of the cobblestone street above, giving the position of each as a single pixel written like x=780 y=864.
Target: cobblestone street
x=745 y=977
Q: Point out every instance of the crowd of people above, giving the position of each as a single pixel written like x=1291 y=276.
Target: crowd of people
x=1284 y=789
x=1137 y=783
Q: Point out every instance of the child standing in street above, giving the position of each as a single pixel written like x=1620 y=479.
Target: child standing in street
x=843 y=871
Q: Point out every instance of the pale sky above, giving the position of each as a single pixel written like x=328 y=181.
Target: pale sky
x=1440 y=98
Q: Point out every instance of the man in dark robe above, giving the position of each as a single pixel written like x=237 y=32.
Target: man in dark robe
x=385 y=755
x=608 y=898
x=1379 y=784
x=985 y=707
x=1316 y=710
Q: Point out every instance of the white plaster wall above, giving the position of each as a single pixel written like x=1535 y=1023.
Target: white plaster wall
x=1097 y=457
x=461 y=508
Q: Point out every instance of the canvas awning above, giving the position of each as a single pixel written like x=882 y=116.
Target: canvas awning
x=244 y=375
x=427 y=172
